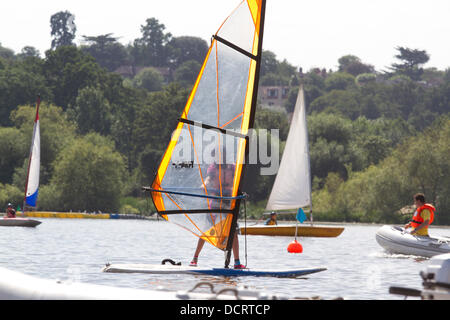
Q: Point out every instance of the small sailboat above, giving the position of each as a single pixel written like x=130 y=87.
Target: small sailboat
x=198 y=183
x=32 y=182
x=292 y=186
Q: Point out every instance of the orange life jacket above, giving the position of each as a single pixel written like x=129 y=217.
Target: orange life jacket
x=417 y=219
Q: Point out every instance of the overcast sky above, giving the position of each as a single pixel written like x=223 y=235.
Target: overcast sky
x=314 y=33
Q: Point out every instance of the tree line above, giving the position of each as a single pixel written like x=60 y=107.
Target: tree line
x=376 y=137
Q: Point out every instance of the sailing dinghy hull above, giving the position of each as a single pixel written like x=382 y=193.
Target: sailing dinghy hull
x=289 y=230
x=19 y=222
x=396 y=240
x=174 y=269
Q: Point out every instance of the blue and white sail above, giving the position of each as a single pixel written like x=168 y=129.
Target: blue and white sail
x=32 y=184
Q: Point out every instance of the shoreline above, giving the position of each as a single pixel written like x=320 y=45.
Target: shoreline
x=283 y=222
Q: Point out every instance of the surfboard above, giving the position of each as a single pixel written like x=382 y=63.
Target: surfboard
x=227 y=272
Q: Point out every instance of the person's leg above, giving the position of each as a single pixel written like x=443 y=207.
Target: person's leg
x=199 y=248
x=237 y=261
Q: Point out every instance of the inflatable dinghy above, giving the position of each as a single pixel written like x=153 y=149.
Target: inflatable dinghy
x=397 y=240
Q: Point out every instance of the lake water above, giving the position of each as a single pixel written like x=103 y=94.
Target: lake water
x=77 y=250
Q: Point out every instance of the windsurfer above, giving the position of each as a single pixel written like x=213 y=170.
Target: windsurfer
x=10 y=212
x=220 y=177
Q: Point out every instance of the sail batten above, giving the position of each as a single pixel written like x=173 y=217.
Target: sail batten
x=235 y=47
x=197 y=183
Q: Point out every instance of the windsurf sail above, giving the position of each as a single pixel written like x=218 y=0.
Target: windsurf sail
x=197 y=184
x=32 y=182
x=292 y=186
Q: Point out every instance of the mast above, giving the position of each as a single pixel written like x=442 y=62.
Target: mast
x=247 y=138
x=309 y=163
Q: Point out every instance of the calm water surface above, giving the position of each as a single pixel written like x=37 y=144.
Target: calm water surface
x=77 y=250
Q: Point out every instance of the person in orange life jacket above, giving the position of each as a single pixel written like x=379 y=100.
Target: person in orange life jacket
x=422 y=218
x=212 y=182
x=10 y=212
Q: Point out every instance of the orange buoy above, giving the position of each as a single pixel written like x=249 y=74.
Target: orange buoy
x=295 y=247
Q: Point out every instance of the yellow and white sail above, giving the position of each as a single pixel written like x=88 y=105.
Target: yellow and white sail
x=210 y=138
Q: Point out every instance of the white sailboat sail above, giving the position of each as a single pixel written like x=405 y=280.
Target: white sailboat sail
x=292 y=187
x=32 y=184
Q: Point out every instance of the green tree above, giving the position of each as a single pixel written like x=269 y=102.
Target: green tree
x=343 y=102
x=63 y=29
x=29 y=51
x=151 y=49
x=270 y=119
x=67 y=70
x=412 y=61
x=274 y=79
x=314 y=85
x=156 y=120
x=184 y=49
x=339 y=81
x=330 y=139
x=352 y=64
x=106 y=50
x=364 y=78
x=187 y=73
x=9 y=193
x=149 y=79
x=56 y=132
x=6 y=53
x=419 y=164
x=89 y=175
x=13 y=149
x=92 y=111
x=269 y=63
x=19 y=86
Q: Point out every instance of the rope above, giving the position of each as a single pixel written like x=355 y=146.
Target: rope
x=245 y=233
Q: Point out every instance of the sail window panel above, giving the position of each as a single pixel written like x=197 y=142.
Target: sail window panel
x=239 y=28
x=233 y=70
x=204 y=104
x=197 y=150
x=212 y=227
x=181 y=175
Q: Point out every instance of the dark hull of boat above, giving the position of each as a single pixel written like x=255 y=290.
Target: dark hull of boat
x=19 y=222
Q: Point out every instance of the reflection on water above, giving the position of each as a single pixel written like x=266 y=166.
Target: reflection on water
x=77 y=250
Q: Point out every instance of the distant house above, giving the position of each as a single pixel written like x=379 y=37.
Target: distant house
x=128 y=71
x=131 y=71
x=273 y=96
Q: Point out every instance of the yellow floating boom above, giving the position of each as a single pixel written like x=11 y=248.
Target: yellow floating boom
x=65 y=215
